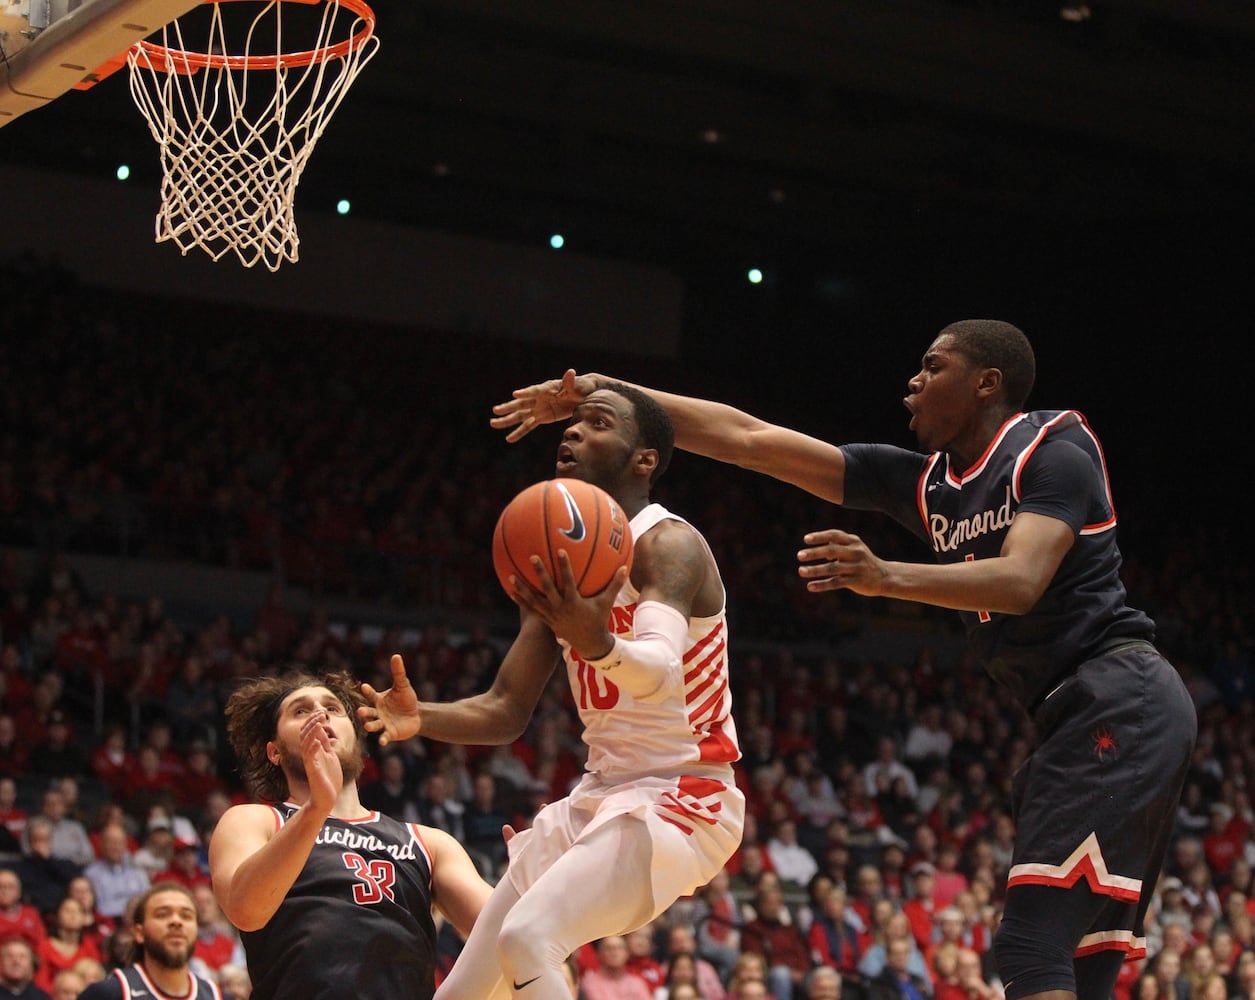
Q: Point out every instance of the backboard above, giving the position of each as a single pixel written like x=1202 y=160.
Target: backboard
x=51 y=46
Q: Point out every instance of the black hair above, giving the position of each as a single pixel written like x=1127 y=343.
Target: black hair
x=991 y=343
x=653 y=424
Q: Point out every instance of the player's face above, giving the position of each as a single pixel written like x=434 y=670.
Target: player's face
x=942 y=395
x=168 y=931
x=296 y=710
x=597 y=445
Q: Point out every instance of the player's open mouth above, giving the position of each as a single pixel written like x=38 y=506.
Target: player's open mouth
x=566 y=459
x=906 y=401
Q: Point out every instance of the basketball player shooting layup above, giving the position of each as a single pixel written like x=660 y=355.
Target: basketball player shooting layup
x=1018 y=511
x=656 y=813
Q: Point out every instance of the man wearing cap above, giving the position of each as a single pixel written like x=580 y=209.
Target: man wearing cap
x=1173 y=907
x=185 y=867
x=919 y=906
x=158 y=846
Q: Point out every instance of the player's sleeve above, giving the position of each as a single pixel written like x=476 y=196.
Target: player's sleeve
x=885 y=478
x=1059 y=480
x=643 y=665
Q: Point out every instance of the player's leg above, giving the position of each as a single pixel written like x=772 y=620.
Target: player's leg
x=1037 y=941
x=1093 y=807
x=600 y=886
x=476 y=974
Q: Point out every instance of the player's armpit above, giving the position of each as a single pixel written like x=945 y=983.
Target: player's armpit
x=458 y=890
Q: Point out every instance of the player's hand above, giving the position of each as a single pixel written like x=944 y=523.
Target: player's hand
x=393 y=714
x=838 y=560
x=577 y=619
x=322 y=765
x=542 y=403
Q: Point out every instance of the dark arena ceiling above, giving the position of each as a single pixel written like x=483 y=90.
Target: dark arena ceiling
x=690 y=131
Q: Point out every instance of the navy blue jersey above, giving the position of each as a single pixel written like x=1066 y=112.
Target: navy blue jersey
x=1046 y=462
x=132 y=983
x=356 y=923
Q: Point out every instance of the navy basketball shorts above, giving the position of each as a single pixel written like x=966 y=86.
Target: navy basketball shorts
x=1094 y=808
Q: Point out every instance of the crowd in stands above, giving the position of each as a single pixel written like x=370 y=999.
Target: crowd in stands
x=878 y=836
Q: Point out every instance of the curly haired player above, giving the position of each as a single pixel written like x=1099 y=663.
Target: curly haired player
x=331 y=899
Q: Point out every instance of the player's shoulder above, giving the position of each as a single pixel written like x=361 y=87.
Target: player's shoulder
x=668 y=537
x=250 y=811
x=109 y=988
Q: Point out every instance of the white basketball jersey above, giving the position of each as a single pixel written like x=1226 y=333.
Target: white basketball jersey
x=686 y=726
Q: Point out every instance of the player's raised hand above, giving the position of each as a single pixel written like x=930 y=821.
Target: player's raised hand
x=323 y=771
x=542 y=403
x=578 y=619
x=393 y=714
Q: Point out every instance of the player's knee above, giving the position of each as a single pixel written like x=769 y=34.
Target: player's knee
x=523 y=947
x=1030 y=961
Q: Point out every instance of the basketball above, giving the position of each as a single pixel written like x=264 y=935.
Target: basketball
x=558 y=514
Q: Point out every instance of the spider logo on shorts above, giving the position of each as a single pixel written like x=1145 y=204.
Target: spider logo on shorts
x=1104 y=742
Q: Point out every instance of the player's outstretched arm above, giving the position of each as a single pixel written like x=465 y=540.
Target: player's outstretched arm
x=702 y=426
x=499 y=715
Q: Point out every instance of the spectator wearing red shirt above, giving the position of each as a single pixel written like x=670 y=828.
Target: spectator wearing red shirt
x=1222 y=843
x=160 y=737
x=185 y=866
x=921 y=907
x=148 y=783
x=18 y=919
x=834 y=934
x=199 y=779
x=111 y=762
x=12 y=816
x=869 y=888
x=65 y=944
x=612 y=980
x=98 y=927
x=717 y=919
x=774 y=935
x=640 y=944
x=217 y=943
x=79 y=652
x=745 y=874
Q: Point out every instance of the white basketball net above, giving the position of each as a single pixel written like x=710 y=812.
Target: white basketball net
x=236 y=134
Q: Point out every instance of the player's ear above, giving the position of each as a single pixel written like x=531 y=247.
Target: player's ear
x=272 y=753
x=990 y=381
x=646 y=461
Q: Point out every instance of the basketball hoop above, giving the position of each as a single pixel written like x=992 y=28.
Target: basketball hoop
x=233 y=149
